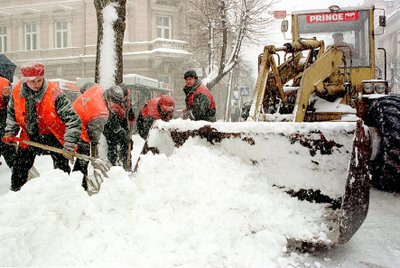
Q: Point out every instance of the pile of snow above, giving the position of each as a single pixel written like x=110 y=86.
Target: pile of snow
x=195 y=208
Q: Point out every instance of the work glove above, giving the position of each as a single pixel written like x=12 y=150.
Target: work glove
x=188 y=114
x=8 y=138
x=11 y=139
x=69 y=150
x=131 y=115
x=185 y=114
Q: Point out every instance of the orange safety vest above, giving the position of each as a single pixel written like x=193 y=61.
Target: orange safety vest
x=201 y=89
x=90 y=105
x=49 y=121
x=151 y=109
x=5 y=90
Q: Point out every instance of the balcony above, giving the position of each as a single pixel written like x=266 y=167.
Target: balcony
x=160 y=43
x=157 y=50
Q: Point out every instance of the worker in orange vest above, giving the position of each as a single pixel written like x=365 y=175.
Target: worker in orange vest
x=93 y=112
x=200 y=103
x=43 y=114
x=155 y=108
x=7 y=151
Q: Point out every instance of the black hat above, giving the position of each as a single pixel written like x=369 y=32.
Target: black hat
x=190 y=73
x=86 y=86
x=125 y=88
x=115 y=93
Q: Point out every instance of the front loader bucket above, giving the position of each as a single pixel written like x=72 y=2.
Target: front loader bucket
x=315 y=162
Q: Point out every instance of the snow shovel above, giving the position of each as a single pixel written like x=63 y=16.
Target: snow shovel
x=101 y=167
x=33 y=173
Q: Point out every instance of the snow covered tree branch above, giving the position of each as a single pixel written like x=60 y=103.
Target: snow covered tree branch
x=225 y=25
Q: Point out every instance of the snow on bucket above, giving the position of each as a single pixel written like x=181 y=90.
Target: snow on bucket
x=314 y=162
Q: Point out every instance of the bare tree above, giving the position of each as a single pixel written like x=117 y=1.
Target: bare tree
x=112 y=24
x=225 y=25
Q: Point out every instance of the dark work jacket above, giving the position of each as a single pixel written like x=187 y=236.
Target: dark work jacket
x=200 y=104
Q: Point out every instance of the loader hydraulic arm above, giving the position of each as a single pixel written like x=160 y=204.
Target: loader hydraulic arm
x=313 y=78
x=267 y=61
x=268 y=71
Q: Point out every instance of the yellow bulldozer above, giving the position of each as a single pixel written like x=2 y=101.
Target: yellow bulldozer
x=330 y=73
x=307 y=126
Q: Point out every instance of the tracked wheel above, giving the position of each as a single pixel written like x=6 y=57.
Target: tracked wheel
x=385 y=168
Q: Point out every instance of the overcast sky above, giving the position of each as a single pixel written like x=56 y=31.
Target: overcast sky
x=291 y=5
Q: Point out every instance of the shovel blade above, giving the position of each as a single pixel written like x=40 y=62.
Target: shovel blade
x=94 y=179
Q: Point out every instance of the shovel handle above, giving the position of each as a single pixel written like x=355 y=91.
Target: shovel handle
x=14 y=139
x=97 y=163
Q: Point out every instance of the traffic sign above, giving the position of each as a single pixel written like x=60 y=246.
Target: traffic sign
x=280 y=14
x=244 y=91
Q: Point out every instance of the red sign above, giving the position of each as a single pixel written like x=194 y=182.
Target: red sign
x=333 y=17
x=279 y=14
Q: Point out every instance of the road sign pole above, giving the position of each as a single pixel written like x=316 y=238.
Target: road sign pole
x=228 y=98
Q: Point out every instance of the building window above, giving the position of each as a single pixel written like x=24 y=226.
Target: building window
x=61 y=33
x=165 y=82
x=30 y=36
x=163 y=24
x=164 y=79
x=3 y=39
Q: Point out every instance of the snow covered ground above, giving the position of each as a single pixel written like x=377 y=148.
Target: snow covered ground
x=196 y=208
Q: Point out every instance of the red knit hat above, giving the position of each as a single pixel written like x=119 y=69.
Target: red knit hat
x=31 y=70
x=166 y=103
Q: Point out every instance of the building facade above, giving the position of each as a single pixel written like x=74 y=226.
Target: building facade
x=389 y=39
x=63 y=36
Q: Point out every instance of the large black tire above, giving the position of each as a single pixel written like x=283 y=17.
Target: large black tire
x=384 y=114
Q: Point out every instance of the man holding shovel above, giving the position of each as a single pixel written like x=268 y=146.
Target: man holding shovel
x=92 y=108
x=44 y=115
